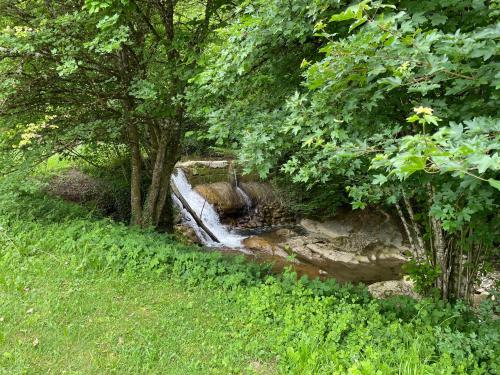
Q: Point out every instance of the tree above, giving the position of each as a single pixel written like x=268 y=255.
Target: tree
x=111 y=72
x=398 y=101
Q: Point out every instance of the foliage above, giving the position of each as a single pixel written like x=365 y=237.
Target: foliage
x=87 y=280
x=424 y=275
x=395 y=101
x=102 y=72
x=305 y=201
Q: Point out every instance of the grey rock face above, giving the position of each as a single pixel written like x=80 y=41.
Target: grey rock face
x=385 y=289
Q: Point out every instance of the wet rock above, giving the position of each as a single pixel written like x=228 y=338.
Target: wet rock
x=223 y=196
x=257 y=243
x=262 y=245
x=187 y=233
x=356 y=246
x=286 y=232
x=355 y=230
x=386 y=289
x=259 y=192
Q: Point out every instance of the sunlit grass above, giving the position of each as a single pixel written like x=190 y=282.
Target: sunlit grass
x=57 y=320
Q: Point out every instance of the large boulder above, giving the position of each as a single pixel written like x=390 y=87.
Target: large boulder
x=390 y=288
x=259 y=192
x=263 y=245
x=223 y=196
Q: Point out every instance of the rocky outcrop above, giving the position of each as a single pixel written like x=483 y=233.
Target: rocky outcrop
x=368 y=265
x=362 y=246
x=354 y=231
x=356 y=246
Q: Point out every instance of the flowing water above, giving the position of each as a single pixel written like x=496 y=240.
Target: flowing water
x=205 y=212
x=264 y=242
x=245 y=197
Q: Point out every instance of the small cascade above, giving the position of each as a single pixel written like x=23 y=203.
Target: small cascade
x=241 y=192
x=188 y=219
x=205 y=212
x=245 y=197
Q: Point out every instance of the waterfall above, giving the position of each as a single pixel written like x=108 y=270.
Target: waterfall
x=188 y=219
x=245 y=197
x=241 y=192
x=205 y=212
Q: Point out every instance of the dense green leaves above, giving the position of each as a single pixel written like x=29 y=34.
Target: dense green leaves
x=397 y=100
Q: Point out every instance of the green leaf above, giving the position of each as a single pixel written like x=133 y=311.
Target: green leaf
x=379 y=179
x=494 y=183
x=358 y=23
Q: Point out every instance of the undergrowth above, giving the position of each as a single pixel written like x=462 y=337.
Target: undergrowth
x=287 y=325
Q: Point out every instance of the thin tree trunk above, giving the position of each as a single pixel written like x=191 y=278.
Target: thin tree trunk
x=416 y=228
x=148 y=213
x=413 y=247
x=164 y=212
x=135 y=177
x=440 y=251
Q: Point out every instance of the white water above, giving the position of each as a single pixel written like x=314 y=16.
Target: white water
x=206 y=212
x=241 y=192
x=246 y=198
x=188 y=219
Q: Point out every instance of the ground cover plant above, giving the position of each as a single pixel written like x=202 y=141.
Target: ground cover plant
x=371 y=104
x=82 y=294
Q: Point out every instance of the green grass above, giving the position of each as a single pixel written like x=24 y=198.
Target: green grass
x=57 y=321
x=81 y=294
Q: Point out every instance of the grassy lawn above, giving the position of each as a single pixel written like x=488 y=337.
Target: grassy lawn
x=55 y=320
x=81 y=294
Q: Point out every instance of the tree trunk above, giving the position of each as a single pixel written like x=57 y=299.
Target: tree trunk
x=440 y=251
x=136 y=176
x=158 y=207
x=150 y=205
